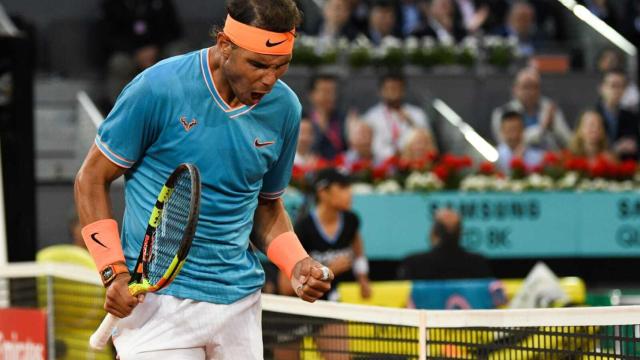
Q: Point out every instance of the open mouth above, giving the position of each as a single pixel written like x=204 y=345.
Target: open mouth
x=257 y=96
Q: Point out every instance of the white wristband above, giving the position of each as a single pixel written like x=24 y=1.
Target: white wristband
x=361 y=266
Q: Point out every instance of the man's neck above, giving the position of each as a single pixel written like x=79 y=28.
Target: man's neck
x=220 y=82
x=611 y=106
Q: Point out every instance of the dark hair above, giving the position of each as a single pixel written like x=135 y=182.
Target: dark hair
x=510 y=115
x=618 y=72
x=391 y=77
x=271 y=15
x=321 y=77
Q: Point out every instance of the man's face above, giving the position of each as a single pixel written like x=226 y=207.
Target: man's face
x=361 y=139
x=251 y=75
x=382 y=19
x=527 y=90
x=521 y=19
x=392 y=92
x=612 y=88
x=337 y=11
x=323 y=94
x=306 y=136
x=512 y=132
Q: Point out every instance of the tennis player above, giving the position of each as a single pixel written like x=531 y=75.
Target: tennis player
x=225 y=110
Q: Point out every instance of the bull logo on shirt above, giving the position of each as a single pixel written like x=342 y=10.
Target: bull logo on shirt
x=188 y=125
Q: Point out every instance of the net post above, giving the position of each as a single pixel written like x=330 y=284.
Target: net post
x=422 y=335
x=51 y=336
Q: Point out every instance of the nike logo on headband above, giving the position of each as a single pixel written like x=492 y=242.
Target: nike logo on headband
x=93 y=237
x=270 y=44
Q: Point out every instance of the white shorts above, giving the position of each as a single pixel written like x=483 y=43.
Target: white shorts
x=165 y=327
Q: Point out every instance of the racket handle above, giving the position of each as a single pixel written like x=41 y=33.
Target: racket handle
x=101 y=336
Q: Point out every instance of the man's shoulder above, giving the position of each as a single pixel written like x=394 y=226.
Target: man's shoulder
x=168 y=73
x=374 y=112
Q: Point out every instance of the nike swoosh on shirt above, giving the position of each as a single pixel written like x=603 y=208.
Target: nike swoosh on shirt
x=270 y=44
x=93 y=237
x=260 y=144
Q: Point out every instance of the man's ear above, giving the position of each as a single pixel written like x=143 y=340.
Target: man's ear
x=224 y=44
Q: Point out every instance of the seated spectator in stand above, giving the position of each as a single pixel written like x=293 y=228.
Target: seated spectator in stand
x=545 y=126
x=305 y=156
x=360 y=147
x=613 y=59
x=621 y=125
x=327 y=122
x=336 y=22
x=440 y=22
x=331 y=234
x=513 y=144
x=446 y=259
x=382 y=21
x=521 y=25
x=392 y=119
x=139 y=33
x=590 y=138
x=420 y=147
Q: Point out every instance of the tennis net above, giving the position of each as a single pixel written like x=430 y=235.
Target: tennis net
x=295 y=330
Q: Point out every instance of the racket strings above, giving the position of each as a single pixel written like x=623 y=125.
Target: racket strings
x=171 y=228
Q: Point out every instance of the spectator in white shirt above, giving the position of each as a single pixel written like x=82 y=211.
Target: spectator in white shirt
x=544 y=123
x=513 y=144
x=392 y=119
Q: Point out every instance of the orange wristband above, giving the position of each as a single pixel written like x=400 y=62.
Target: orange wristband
x=103 y=241
x=285 y=251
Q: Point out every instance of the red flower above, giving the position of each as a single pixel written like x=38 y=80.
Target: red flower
x=487 y=168
x=298 y=173
x=517 y=164
x=339 y=160
x=361 y=165
x=579 y=164
x=551 y=158
x=627 y=169
x=322 y=164
x=538 y=169
x=379 y=173
x=603 y=168
x=464 y=162
x=442 y=171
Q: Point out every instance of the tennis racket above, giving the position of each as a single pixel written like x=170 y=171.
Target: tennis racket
x=166 y=242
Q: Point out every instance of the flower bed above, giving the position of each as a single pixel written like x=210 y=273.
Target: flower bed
x=558 y=171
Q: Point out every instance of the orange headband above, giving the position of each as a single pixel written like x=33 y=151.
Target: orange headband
x=258 y=40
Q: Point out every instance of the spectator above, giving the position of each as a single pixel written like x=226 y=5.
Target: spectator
x=420 y=147
x=330 y=233
x=513 y=144
x=446 y=259
x=360 y=146
x=327 y=122
x=545 y=126
x=612 y=59
x=590 y=138
x=336 y=24
x=138 y=34
x=392 y=119
x=621 y=125
x=521 y=25
x=440 y=22
x=382 y=21
x=305 y=156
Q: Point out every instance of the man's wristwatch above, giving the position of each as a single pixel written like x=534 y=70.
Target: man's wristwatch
x=109 y=273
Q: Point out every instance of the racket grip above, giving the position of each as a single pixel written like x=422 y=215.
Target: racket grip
x=101 y=336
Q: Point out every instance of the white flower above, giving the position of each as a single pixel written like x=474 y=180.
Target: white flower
x=516 y=185
x=423 y=182
x=388 y=187
x=537 y=181
x=476 y=183
x=362 y=188
x=411 y=43
x=569 y=181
